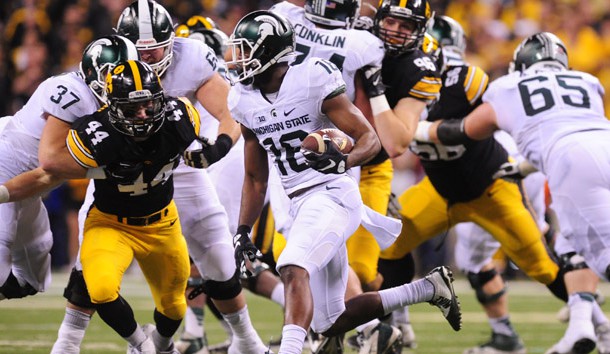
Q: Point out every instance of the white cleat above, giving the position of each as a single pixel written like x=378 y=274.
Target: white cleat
x=444 y=296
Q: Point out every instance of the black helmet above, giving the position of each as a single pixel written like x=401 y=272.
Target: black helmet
x=332 y=13
x=416 y=11
x=260 y=39
x=100 y=56
x=540 y=47
x=130 y=86
x=149 y=26
x=449 y=33
x=205 y=30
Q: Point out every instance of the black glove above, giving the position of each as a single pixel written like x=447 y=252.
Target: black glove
x=330 y=161
x=244 y=249
x=373 y=85
x=209 y=153
x=509 y=171
x=363 y=23
x=124 y=172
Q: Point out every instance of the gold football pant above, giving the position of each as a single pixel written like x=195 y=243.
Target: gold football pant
x=109 y=247
x=362 y=249
x=500 y=210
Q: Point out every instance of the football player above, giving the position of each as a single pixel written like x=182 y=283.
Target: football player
x=131 y=146
x=186 y=68
x=28 y=137
x=558 y=116
x=277 y=105
x=350 y=50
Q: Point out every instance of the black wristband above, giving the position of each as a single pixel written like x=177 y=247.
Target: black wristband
x=244 y=229
x=224 y=144
x=451 y=132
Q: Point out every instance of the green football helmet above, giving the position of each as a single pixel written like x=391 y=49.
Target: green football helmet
x=100 y=56
x=332 y=13
x=449 y=33
x=131 y=86
x=149 y=26
x=260 y=39
x=540 y=47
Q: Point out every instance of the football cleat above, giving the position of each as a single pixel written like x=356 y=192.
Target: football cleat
x=187 y=344
x=408 y=335
x=146 y=347
x=602 y=332
x=326 y=345
x=444 y=296
x=499 y=344
x=381 y=339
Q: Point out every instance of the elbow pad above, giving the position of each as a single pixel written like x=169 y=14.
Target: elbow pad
x=452 y=132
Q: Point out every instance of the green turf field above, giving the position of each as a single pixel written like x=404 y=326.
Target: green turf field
x=30 y=325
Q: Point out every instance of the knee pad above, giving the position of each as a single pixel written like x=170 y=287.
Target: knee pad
x=12 y=290
x=76 y=291
x=396 y=271
x=572 y=261
x=218 y=290
x=478 y=280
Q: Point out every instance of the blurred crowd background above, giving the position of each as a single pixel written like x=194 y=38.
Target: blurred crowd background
x=41 y=38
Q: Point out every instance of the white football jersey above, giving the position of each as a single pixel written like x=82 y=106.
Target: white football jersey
x=193 y=63
x=349 y=49
x=64 y=96
x=539 y=107
x=282 y=125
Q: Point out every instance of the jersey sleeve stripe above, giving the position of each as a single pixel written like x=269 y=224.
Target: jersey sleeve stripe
x=79 y=152
x=475 y=83
x=427 y=88
x=193 y=115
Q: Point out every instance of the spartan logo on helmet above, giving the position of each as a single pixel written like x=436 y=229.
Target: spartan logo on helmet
x=543 y=47
x=149 y=26
x=260 y=39
x=100 y=56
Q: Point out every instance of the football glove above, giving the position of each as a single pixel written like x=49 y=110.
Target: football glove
x=373 y=85
x=330 y=161
x=363 y=23
x=244 y=250
x=125 y=172
x=513 y=171
x=209 y=153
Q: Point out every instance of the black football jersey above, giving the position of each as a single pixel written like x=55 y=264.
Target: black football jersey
x=94 y=142
x=412 y=74
x=460 y=173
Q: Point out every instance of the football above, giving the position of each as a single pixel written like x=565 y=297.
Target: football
x=314 y=142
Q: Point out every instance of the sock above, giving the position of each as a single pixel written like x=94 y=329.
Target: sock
x=293 y=338
x=161 y=341
x=401 y=316
x=193 y=321
x=502 y=325
x=408 y=294
x=373 y=322
x=71 y=332
x=277 y=295
x=598 y=316
x=581 y=311
x=137 y=337
x=241 y=325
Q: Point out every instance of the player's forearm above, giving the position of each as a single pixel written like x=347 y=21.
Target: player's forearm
x=367 y=147
x=229 y=127
x=393 y=134
x=252 y=200
x=31 y=183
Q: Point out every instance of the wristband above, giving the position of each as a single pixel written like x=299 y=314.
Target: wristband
x=422 y=132
x=95 y=173
x=224 y=143
x=379 y=104
x=4 y=195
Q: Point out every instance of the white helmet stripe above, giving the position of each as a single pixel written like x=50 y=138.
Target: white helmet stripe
x=145 y=22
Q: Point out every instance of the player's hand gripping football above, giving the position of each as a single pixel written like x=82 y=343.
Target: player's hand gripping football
x=330 y=161
x=209 y=153
x=244 y=250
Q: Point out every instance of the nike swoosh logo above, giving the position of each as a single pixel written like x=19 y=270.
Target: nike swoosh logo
x=290 y=111
x=330 y=188
x=173 y=222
